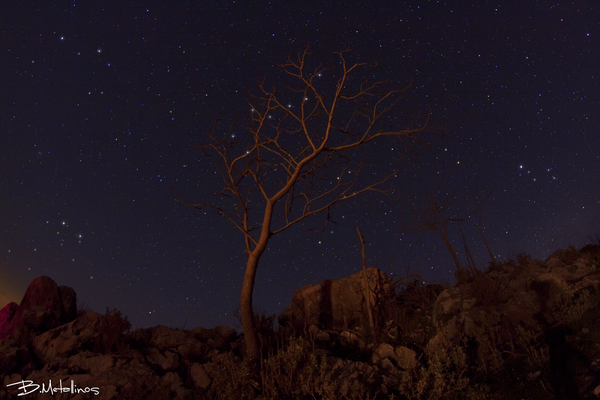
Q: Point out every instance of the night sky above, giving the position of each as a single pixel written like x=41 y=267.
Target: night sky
x=101 y=106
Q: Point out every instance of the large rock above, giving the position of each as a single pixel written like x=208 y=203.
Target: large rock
x=167 y=362
x=407 y=358
x=199 y=376
x=13 y=357
x=337 y=303
x=85 y=333
x=44 y=306
x=165 y=338
x=6 y=315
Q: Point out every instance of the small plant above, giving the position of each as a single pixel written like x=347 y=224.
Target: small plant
x=462 y=275
x=523 y=259
x=443 y=376
x=568 y=255
x=594 y=239
x=588 y=326
x=232 y=378
x=116 y=326
x=487 y=290
x=83 y=309
x=293 y=372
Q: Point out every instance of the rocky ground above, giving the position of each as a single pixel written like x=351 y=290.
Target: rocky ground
x=522 y=329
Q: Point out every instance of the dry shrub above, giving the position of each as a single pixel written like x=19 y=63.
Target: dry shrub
x=523 y=259
x=116 y=326
x=568 y=255
x=443 y=376
x=294 y=372
x=487 y=290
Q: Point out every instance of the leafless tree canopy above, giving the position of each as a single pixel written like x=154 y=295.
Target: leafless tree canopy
x=293 y=159
x=296 y=146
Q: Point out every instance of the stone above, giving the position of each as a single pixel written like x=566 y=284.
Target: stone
x=192 y=348
x=92 y=363
x=6 y=314
x=449 y=300
x=554 y=262
x=407 y=358
x=85 y=333
x=12 y=357
x=167 y=362
x=221 y=336
x=199 y=376
x=68 y=298
x=165 y=338
x=387 y=365
x=467 y=304
x=322 y=336
x=337 y=303
x=176 y=389
x=384 y=350
x=161 y=362
x=313 y=330
x=201 y=333
x=352 y=339
x=555 y=278
x=317 y=334
x=226 y=332
x=44 y=306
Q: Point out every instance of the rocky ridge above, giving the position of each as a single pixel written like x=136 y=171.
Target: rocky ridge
x=525 y=328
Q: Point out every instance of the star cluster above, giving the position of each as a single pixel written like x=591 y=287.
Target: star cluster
x=102 y=104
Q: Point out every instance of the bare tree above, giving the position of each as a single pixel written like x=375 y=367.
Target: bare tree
x=293 y=160
x=433 y=216
x=481 y=229
x=367 y=289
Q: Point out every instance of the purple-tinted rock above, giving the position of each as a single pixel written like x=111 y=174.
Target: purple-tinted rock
x=6 y=315
x=44 y=306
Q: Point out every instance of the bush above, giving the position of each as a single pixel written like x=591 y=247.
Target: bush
x=568 y=255
x=116 y=326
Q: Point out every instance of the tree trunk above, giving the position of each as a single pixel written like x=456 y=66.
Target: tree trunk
x=484 y=242
x=248 y=324
x=250 y=334
x=367 y=284
x=452 y=252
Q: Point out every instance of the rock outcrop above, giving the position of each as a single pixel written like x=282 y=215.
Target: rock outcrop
x=337 y=303
x=510 y=331
x=529 y=296
x=152 y=363
x=44 y=306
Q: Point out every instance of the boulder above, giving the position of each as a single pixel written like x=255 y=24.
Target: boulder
x=85 y=333
x=13 y=357
x=165 y=338
x=7 y=313
x=192 y=348
x=318 y=334
x=199 y=376
x=384 y=350
x=337 y=303
x=44 y=306
x=226 y=332
x=449 y=301
x=220 y=336
x=167 y=362
x=407 y=358
x=352 y=340
x=92 y=363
